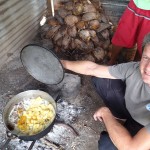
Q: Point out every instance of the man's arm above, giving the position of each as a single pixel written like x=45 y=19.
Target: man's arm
x=87 y=68
x=119 y=134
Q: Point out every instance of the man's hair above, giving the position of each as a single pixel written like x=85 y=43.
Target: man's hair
x=146 y=41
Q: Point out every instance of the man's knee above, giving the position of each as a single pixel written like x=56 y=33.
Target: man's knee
x=104 y=84
x=100 y=83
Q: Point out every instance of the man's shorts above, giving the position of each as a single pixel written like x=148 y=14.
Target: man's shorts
x=132 y=27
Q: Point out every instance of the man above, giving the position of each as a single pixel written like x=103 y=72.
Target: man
x=128 y=98
x=132 y=27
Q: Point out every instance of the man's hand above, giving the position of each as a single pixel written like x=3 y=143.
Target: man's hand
x=102 y=112
x=119 y=134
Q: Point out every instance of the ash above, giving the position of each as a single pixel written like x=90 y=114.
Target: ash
x=2 y=127
x=58 y=138
x=2 y=130
x=17 y=144
x=61 y=135
x=67 y=112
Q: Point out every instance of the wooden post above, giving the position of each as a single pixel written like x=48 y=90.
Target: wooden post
x=49 y=10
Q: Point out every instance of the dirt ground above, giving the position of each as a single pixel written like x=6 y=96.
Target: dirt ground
x=14 y=79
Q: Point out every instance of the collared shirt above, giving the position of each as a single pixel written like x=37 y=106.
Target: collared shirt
x=142 y=4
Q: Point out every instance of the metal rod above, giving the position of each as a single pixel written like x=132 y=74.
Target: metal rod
x=32 y=144
x=6 y=144
x=52 y=7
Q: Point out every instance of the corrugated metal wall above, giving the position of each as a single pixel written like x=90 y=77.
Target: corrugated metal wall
x=19 y=22
x=114 y=9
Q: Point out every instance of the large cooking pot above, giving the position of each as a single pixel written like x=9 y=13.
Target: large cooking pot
x=42 y=64
x=11 y=131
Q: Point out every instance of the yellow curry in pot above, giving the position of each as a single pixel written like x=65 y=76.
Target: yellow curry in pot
x=35 y=117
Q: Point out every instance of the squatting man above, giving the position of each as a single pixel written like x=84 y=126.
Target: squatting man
x=125 y=90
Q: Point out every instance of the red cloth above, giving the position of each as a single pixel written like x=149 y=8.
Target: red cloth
x=132 y=27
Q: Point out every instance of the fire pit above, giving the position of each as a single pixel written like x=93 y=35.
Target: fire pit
x=92 y=41
x=14 y=79
x=20 y=104
x=61 y=133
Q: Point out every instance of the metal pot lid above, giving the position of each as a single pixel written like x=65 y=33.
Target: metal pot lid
x=42 y=64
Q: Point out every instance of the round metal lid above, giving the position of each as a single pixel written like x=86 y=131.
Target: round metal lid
x=42 y=64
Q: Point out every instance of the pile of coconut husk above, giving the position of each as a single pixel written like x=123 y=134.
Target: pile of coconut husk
x=79 y=29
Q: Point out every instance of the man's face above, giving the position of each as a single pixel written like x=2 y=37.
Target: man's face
x=145 y=65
